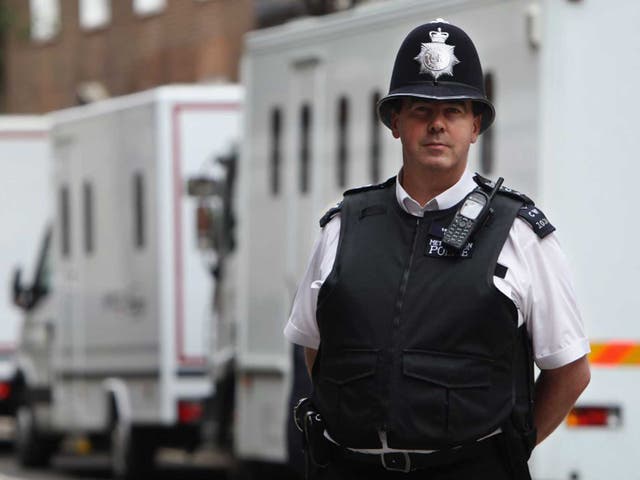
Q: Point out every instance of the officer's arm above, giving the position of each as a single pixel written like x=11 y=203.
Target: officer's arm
x=556 y=392
x=309 y=358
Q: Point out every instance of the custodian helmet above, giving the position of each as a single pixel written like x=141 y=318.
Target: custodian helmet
x=437 y=61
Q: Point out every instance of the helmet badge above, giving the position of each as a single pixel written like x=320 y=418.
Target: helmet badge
x=436 y=57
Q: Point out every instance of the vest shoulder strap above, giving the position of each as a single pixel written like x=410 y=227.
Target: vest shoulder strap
x=528 y=211
x=488 y=185
x=367 y=188
x=332 y=212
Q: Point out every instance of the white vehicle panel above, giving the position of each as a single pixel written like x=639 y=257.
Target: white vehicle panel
x=25 y=193
x=133 y=292
x=588 y=184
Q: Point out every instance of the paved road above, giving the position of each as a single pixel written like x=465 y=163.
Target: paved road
x=96 y=467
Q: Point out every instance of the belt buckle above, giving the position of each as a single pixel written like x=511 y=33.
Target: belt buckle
x=397 y=461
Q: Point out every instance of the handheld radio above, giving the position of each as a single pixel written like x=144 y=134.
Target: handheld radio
x=469 y=217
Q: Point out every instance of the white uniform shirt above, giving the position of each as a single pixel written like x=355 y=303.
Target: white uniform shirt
x=537 y=281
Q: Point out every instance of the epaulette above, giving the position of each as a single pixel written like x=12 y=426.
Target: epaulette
x=538 y=221
x=326 y=218
x=367 y=188
x=528 y=212
x=488 y=185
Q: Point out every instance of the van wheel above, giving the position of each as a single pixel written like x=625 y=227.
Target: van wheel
x=131 y=454
x=32 y=449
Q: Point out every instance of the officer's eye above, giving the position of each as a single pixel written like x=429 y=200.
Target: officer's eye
x=454 y=110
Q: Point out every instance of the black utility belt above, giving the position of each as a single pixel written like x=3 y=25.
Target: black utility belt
x=409 y=461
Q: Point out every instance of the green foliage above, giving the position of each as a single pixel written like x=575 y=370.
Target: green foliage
x=8 y=18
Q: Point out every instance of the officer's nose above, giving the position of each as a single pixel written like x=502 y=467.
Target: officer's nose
x=437 y=124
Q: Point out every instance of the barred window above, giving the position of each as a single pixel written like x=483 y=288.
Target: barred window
x=487 y=146
x=305 y=147
x=87 y=194
x=65 y=222
x=374 y=144
x=343 y=139
x=139 y=211
x=276 y=149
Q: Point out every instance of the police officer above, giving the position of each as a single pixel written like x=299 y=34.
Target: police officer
x=421 y=351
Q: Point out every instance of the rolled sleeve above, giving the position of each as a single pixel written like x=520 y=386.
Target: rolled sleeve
x=553 y=317
x=565 y=356
x=297 y=336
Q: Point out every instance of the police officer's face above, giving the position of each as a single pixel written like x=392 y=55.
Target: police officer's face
x=435 y=135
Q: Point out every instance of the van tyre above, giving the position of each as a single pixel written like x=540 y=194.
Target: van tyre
x=32 y=448
x=132 y=454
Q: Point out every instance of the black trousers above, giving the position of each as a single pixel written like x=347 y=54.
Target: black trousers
x=492 y=466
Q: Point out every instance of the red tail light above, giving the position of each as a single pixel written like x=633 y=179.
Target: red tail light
x=5 y=390
x=594 y=416
x=204 y=220
x=189 y=411
x=204 y=225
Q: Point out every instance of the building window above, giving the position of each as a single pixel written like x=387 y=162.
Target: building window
x=138 y=209
x=94 y=13
x=343 y=141
x=305 y=147
x=65 y=222
x=45 y=19
x=87 y=194
x=148 y=7
x=487 y=147
x=276 y=149
x=374 y=145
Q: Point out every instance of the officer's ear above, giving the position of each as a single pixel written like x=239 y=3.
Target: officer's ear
x=395 y=108
x=477 y=123
x=476 y=110
x=394 y=124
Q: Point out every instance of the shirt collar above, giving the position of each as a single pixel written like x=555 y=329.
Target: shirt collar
x=446 y=199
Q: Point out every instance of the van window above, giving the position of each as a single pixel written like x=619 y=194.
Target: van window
x=276 y=148
x=305 y=147
x=374 y=145
x=87 y=194
x=487 y=145
x=65 y=222
x=343 y=138
x=138 y=209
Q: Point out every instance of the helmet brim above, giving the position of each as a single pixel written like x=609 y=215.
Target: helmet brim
x=438 y=92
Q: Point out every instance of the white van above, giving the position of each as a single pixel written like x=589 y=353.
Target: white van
x=120 y=347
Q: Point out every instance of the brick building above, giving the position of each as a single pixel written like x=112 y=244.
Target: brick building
x=58 y=53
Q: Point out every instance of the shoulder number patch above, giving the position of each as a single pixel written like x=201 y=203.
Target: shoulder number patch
x=534 y=217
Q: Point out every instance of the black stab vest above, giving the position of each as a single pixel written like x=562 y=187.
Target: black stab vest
x=415 y=341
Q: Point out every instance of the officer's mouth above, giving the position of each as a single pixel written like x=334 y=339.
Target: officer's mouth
x=436 y=145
